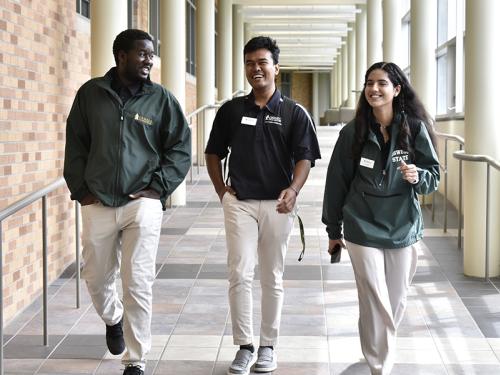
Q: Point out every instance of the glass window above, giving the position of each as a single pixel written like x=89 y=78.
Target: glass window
x=286 y=84
x=449 y=84
x=83 y=7
x=190 y=37
x=154 y=24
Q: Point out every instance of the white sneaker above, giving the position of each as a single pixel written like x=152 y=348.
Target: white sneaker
x=242 y=363
x=266 y=361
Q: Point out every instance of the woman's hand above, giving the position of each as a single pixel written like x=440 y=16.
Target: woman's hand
x=333 y=243
x=409 y=172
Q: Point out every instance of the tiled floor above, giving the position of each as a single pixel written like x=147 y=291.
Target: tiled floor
x=452 y=324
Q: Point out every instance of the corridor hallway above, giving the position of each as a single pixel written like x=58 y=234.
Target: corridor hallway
x=451 y=326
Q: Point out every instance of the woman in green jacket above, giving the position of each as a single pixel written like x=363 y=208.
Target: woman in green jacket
x=382 y=160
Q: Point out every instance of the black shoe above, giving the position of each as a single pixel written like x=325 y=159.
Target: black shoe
x=114 y=338
x=133 y=370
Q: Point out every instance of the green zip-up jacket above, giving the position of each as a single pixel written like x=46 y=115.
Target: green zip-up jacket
x=375 y=205
x=115 y=149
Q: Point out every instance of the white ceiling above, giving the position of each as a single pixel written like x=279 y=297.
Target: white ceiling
x=308 y=32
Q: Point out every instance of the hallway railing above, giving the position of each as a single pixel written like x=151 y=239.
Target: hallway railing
x=444 y=168
x=11 y=210
x=461 y=156
x=200 y=115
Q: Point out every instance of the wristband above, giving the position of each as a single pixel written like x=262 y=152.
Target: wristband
x=295 y=190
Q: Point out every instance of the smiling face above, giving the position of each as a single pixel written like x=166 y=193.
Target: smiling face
x=379 y=90
x=135 y=65
x=260 y=69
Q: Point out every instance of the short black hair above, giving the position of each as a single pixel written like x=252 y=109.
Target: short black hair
x=126 y=39
x=265 y=42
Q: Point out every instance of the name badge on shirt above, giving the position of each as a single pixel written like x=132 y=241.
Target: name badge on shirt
x=368 y=163
x=248 y=121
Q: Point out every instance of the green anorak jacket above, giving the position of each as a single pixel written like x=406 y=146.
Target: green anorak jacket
x=375 y=205
x=115 y=149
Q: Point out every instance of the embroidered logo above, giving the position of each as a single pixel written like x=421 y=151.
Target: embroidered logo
x=276 y=120
x=400 y=155
x=143 y=120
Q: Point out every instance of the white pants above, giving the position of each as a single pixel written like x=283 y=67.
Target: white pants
x=383 y=277
x=253 y=227
x=123 y=240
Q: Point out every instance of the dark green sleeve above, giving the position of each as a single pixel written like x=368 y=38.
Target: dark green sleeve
x=175 y=158
x=338 y=182
x=76 y=150
x=427 y=163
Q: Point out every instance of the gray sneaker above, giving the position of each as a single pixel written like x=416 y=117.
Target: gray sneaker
x=266 y=361
x=242 y=362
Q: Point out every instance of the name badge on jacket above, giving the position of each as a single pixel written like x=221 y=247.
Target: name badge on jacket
x=368 y=163
x=249 y=121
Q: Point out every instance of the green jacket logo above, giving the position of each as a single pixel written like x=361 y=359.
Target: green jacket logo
x=143 y=120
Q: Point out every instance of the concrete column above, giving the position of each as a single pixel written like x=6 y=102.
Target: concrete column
x=360 y=48
x=351 y=57
x=173 y=54
x=338 y=84
x=247 y=36
x=345 y=77
x=238 y=71
x=333 y=86
x=315 y=98
x=225 y=50
x=392 y=31
x=374 y=31
x=205 y=69
x=109 y=18
x=423 y=55
x=482 y=135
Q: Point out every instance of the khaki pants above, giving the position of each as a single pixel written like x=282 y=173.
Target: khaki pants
x=123 y=240
x=253 y=227
x=383 y=277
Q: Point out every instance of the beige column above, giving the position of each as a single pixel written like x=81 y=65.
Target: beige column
x=392 y=31
x=333 y=86
x=109 y=18
x=225 y=49
x=351 y=58
x=338 y=84
x=173 y=56
x=247 y=36
x=238 y=72
x=345 y=74
x=374 y=31
x=482 y=135
x=315 y=98
x=423 y=55
x=360 y=48
x=205 y=69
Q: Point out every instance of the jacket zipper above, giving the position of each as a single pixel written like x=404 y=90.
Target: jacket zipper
x=119 y=154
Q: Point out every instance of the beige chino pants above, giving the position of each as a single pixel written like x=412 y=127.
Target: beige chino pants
x=254 y=228
x=123 y=241
x=383 y=277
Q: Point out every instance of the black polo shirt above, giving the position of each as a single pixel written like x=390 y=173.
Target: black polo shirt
x=262 y=155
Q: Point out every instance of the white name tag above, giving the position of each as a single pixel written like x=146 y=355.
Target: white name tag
x=248 y=121
x=367 y=163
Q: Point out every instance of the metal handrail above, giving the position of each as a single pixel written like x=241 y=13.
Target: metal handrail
x=490 y=162
x=203 y=110
x=450 y=137
x=11 y=210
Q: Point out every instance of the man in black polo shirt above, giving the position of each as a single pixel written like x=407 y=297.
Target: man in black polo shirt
x=271 y=155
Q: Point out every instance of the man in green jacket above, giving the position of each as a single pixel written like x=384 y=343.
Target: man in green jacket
x=128 y=146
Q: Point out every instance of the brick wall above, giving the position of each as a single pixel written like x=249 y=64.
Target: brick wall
x=302 y=89
x=44 y=57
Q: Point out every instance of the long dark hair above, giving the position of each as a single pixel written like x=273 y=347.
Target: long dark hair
x=406 y=105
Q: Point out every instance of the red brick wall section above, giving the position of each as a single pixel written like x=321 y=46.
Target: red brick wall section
x=302 y=89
